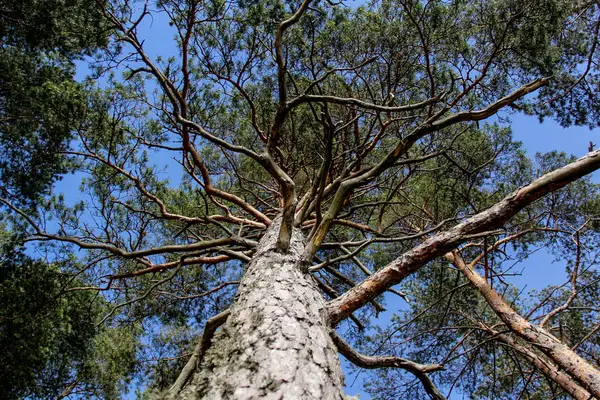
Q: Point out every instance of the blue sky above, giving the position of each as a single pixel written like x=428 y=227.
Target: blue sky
x=539 y=270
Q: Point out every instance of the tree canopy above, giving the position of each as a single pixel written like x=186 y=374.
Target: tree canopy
x=374 y=138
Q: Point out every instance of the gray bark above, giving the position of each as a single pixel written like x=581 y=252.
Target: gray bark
x=275 y=343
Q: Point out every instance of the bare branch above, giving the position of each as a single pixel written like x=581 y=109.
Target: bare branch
x=418 y=370
x=209 y=330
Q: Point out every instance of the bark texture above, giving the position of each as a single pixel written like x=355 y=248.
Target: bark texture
x=275 y=343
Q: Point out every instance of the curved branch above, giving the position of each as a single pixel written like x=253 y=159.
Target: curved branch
x=311 y=98
x=401 y=148
x=418 y=370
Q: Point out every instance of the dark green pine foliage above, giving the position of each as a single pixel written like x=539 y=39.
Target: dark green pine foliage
x=50 y=342
x=40 y=103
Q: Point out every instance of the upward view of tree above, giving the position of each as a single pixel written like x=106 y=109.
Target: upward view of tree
x=324 y=161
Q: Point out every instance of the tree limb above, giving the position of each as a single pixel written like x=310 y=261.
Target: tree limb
x=438 y=245
x=209 y=330
x=418 y=370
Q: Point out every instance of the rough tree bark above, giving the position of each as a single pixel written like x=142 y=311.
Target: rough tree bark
x=276 y=343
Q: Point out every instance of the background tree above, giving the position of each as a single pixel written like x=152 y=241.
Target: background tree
x=40 y=102
x=327 y=154
x=52 y=347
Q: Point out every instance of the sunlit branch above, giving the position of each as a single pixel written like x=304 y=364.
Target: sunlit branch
x=402 y=147
x=309 y=98
x=438 y=245
x=333 y=294
x=368 y=272
x=543 y=364
x=571 y=363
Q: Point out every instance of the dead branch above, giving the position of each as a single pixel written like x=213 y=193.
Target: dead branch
x=209 y=330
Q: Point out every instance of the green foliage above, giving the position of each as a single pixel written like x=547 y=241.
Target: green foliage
x=66 y=26
x=111 y=361
x=40 y=103
x=45 y=334
x=39 y=106
x=49 y=334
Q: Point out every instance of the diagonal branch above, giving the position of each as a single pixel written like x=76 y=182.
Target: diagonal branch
x=544 y=365
x=565 y=358
x=438 y=245
x=209 y=330
x=401 y=148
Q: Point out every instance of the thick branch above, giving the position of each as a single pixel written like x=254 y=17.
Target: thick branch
x=545 y=366
x=440 y=244
x=562 y=355
x=282 y=109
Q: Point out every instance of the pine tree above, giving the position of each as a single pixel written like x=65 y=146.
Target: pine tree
x=319 y=155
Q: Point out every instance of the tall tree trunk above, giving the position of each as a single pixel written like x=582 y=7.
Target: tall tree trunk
x=275 y=343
